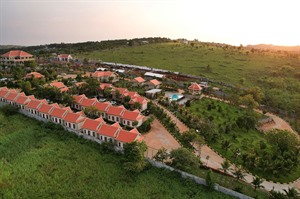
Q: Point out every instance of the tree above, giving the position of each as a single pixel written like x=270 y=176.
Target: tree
x=209 y=181
x=225 y=166
x=257 y=182
x=137 y=105
x=67 y=99
x=256 y=93
x=226 y=145
x=184 y=159
x=161 y=155
x=248 y=101
x=246 y=121
x=292 y=193
x=26 y=87
x=134 y=160
x=239 y=173
x=92 y=112
x=276 y=195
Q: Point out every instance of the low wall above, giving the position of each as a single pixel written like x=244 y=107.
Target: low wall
x=199 y=180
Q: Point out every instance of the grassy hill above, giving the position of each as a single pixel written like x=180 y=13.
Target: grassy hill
x=38 y=162
x=277 y=73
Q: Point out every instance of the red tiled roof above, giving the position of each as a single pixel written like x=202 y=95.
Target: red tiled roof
x=3 y=93
x=34 y=75
x=195 y=87
x=11 y=96
x=79 y=98
x=58 y=85
x=127 y=136
x=64 y=55
x=107 y=130
x=74 y=117
x=154 y=82
x=102 y=74
x=138 y=99
x=115 y=110
x=16 y=53
x=121 y=90
x=59 y=112
x=3 y=88
x=105 y=85
x=91 y=124
x=88 y=102
x=139 y=79
x=46 y=108
x=102 y=106
x=34 y=104
x=132 y=115
x=131 y=94
x=80 y=83
x=23 y=100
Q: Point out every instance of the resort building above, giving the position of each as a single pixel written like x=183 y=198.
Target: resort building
x=15 y=57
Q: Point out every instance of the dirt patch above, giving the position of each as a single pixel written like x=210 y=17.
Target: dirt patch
x=159 y=137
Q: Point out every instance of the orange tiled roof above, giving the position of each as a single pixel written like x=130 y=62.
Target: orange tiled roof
x=102 y=106
x=79 y=98
x=88 y=102
x=107 y=130
x=64 y=55
x=138 y=99
x=91 y=124
x=11 y=96
x=34 y=75
x=3 y=93
x=46 y=108
x=102 y=74
x=127 y=136
x=60 y=112
x=23 y=100
x=139 y=79
x=105 y=85
x=58 y=85
x=115 y=110
x=74 y=117
x=132 y=115
x=195 y=87
x=155 y=82
x=3 y=88
x=16 y=53
x=35 y=103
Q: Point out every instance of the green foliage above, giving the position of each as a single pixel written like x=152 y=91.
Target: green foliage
x=184 y=159
x=225 y=166
x=161 y=155
x=42 y=160
x=134 y=160
x=210 y=184
x=92 y=112
x=9 y=110
x=146 y=126
x=257 y=182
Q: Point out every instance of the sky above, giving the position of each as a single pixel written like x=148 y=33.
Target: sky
x=235 y=22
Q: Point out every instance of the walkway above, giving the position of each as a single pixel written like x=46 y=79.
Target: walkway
x=215 y=160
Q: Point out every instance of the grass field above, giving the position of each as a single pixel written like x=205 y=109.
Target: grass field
x=42 y=163
x=250 y=142
x=226 y=65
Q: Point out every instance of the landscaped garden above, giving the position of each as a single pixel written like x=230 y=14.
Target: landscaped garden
x=38 y=160
x=230 y=130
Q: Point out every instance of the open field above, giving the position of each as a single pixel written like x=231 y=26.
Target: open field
x=37 y=162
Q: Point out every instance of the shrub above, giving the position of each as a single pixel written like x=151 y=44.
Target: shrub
x=9 y=110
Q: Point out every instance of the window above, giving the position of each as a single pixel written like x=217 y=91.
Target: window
x=128 y=123
x=93 y=133
x=74 y=126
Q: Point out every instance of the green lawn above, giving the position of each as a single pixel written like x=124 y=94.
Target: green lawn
x=252 y=143
x=37 y=162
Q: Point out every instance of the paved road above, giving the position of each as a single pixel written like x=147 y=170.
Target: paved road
x=215 y=160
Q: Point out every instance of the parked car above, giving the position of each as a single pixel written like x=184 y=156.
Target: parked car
x=113 y=102
x=102 y=100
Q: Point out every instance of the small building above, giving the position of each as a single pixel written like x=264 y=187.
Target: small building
x=106 y=76
x=74 y=121
x=58 y=114
x=153 y=83
x=90 y=126
x=138 y=81
x=153 y=93
x=103 y=107
x=150 y=75
x=195 y=88
x=86 y=102
x=108 y=133
x=45 y=110
x=61 y=86
x=64 y=57
x=77 y=101
x=16 y=57
x=34 y=75
x=114 y=113
x=141 y=100
x=124 y=137
x=132 y=118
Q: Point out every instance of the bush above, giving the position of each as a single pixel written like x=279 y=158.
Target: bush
x=9 y=110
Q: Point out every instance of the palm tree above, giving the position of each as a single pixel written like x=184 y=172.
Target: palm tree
x=226 y=145
x=292 y=193
x=257 y=182
x=239 y=173
x=225 y=166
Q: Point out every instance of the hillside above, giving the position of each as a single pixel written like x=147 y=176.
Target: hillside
x=40 y=162
x=277 y=73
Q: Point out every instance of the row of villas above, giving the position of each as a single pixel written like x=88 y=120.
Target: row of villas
x=93 y=129
x=112 y=113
